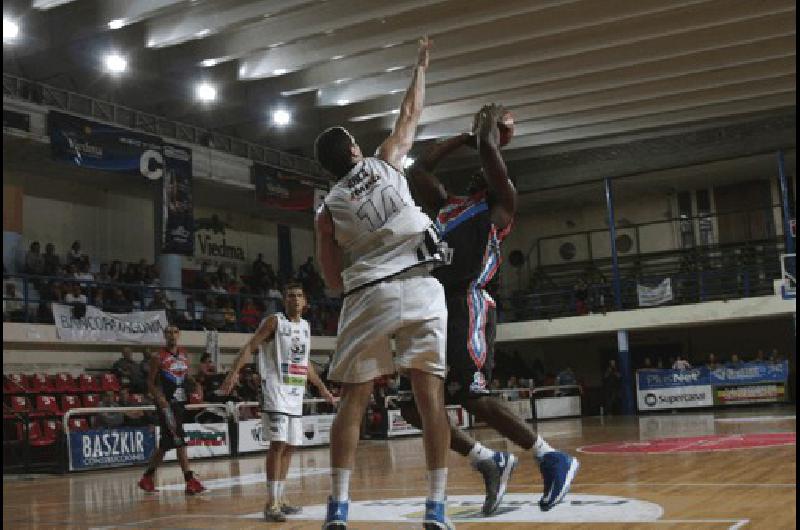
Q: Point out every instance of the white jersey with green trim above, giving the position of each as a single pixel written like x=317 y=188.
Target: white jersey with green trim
x=283 y=365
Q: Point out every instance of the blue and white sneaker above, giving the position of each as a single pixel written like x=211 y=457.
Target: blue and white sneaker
x=496 y=473
x=436 y=517
x=558 y=470
x=336 y=519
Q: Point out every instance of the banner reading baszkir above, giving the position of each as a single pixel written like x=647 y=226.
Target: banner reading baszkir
x=145 y=327
x=660 y=294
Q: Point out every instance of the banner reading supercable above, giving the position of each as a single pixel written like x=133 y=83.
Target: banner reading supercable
x=178 y=225
x=146 y=327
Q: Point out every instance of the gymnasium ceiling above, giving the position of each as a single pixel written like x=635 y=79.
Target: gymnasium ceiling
x=573 y=72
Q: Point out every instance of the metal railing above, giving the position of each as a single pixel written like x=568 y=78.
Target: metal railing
x=114 y=113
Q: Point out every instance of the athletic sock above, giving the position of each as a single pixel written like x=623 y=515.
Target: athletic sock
x=273 y=492
x=340 y=480
x=437 y=484
x=541 y=448
x=479 y=453
x=280 y=491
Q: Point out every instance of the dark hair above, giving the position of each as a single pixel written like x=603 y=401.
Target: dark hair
x=332 y=151
x=205 y=357
x=293 y=285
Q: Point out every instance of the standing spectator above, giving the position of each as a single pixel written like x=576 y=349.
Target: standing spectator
x=612 y=381
x=712 y=362
x=681 y=363
x=34 y=261
x=259 y=270
x=581 y=296
x=52 y=263
x=74 y=254
x=109 y=420
x=735 y=360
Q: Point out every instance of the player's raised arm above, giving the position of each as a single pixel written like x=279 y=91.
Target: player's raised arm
x=264 y=333
x=328 y=251
x=488 y=136
x=398 y=144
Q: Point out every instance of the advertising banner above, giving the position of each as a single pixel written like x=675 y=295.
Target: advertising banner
x=178 y=208
x=400 y=427
x=282 y=190
x=95 y=145
x=749 y=373
x=316 y=431
x=675 y=397
x=104 y=448
x=652 y=296
x=744 y=394
x=146 y=327
x=647 y=379
x=204 y=440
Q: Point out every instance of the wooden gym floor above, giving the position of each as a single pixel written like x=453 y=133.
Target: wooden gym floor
x=677 y=488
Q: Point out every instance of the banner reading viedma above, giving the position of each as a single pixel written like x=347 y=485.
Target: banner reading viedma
x=94 y=145
x=145 y=327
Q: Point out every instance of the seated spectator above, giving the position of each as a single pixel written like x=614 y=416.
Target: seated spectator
x=581 y=296
x=34 y=261
x=52 y=263
x=151 y=276
x=681 y=364
x=566 y=377
x=128 y=370
x=495 y=385
x=210 y=381
x=760 y=357
x=205 y=369
x=216 y=285
x=115 y=272
x=251 y=316
x=187 y=318
x=647 y=364
x=83 y=273
x=13 y=306
x=144 y=366
x=230 y=315
x=775 y=357
x=102 y=275
x=98 y=298
x=159 y=302
x=259 y=270
x=131 y=274
x=273 y=302
x=212 y=316
x=75 y=296
x=735 y=360
x=109 y=419
x=74 y=254
x=249 y=387
x=132 y=417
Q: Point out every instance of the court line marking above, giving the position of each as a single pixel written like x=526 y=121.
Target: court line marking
x=682 y=451
x=751 y=419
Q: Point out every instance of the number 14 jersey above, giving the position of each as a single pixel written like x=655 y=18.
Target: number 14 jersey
x=378 y=226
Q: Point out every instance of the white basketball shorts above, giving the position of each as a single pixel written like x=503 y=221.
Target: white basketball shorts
x=411 y=309
x=282 y=428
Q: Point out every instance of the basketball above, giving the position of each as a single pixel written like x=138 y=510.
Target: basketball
x=506 y=126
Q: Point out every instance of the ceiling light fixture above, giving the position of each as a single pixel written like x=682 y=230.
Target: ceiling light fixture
x=343 y=102
x=116 y=23
x=280 y=71
x=281 y=117
x=337 y=57
x=10 y=30
x=115 y=63
x=203 y=32
x=208 y=62
x=205 y=92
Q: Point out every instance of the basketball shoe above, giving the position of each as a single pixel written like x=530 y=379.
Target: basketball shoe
x=336 y=518
x=194 y=486
x=436 y=517
x=274 y=514
x=146 y=483
x=496 y=473
x=558 y=470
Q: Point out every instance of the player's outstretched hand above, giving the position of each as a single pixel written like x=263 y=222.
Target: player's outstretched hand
x=424 y=54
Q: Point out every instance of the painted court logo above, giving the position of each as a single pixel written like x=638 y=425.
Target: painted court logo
x=516 y=508
x=695 y=444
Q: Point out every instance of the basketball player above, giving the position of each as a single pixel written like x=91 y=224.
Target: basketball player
x=474 y=226
x=283 y=344
x=166 y=384
x=375 y=244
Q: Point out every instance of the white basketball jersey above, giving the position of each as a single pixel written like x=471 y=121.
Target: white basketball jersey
x=377 y=224
x=283 y=365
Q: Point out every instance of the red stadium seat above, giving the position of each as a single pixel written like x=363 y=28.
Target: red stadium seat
x=46 y=406
x=40 y=384
x=110 y=382
x=20 y=404
x=89 y=383
x=70 y=402
x=78 y=424
x=90 y=400
x=15 y=384
x=65 y=383
x=52 y=429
